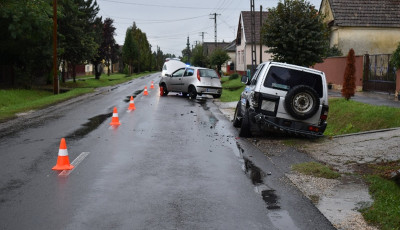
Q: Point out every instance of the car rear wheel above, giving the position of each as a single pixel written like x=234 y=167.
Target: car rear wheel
x=245 y=127
x=192 y=92
x=237 y=117
x=302 y=102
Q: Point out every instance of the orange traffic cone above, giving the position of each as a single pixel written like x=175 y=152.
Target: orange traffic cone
x=131 y=104
x=63 y=159
x=161 y=91
x=115 y=120
x=145 y=91
x=152 y=85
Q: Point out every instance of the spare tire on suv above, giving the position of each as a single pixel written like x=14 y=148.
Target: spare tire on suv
x=302 y=102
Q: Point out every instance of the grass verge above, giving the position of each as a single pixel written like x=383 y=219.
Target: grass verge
x=315 y=169
x=351 y=117
x=231 y=89
x=13 y=101
x=19 y=100
x=385 y=211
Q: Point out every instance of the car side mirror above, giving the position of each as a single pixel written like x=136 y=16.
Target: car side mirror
x=245 y=80
x=168 y=75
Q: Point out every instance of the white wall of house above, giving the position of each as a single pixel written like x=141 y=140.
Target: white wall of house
x=243 y=56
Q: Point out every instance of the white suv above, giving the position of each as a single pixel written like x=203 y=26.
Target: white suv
x=283 y=97
x=193 y=81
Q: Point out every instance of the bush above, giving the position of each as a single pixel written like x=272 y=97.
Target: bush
x=395 y=59
x=234 y=76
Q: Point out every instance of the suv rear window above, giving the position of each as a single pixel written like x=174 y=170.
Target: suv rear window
x=285 y=79
x=208 y=73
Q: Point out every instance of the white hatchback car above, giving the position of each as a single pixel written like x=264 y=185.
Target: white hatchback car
x=193 y=81
x=171 y=65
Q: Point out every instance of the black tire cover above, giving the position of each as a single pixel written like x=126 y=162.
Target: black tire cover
x=302 y=102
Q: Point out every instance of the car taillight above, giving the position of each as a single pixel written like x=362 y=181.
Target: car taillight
x=198 y=75
x=324 y=113
x=313 y=129
x=255 y=96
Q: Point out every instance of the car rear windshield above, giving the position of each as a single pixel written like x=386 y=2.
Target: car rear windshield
x=285 y=79
x=208 y=73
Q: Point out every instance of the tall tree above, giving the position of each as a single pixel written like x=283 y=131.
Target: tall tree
x=218 y=58
x=25 y=40
x=198 y=57
x=349 y=81
x=78 y=28
x=295 y=33
x=130 y=49
x=108 y=45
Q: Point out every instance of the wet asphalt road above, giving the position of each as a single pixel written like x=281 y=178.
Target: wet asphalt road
x=173 y=163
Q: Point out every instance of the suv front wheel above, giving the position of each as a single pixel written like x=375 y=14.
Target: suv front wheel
x=237 y=122
x=245 y=127
x=302 y=102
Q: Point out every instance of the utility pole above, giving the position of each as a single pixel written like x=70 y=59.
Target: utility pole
x=253 y=38
x=55 y=66
x=215 y=27
x=202 y=36
x=261 y=43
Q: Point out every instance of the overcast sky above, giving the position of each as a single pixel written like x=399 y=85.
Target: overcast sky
x=167 y=24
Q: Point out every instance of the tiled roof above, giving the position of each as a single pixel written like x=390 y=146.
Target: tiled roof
x=247 y=24
x=366 y=13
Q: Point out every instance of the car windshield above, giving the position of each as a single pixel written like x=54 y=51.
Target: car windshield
x=285 y=79
x=208 y=73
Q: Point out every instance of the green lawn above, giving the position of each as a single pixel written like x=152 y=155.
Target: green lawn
x=231 y=89
x=13 y=101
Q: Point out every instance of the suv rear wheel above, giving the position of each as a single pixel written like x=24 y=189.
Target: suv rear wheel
x=302 y=102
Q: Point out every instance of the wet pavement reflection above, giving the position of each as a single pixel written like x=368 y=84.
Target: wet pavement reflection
x=88 y=127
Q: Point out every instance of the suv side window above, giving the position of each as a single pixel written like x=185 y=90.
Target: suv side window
x=285 y=79
x=188 y=72
x=256 y=75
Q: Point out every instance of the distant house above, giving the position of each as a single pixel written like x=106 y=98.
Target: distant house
x=231 y=50
x=367 y=26
x=243 y=41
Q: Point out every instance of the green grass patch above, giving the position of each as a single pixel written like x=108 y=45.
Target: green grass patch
x=385 y=211
x=231 y=89
x=104 y=80
x=351 y=117
x=15 y=101
x=315 y=169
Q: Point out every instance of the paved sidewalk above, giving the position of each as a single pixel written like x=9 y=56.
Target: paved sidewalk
x=373 y=98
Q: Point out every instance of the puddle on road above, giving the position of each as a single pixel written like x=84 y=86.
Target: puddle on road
x=88 y=127
x=134 y=95
x=256 y=175
x=279 y=218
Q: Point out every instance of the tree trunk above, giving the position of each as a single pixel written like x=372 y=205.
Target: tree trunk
x=74 y=72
